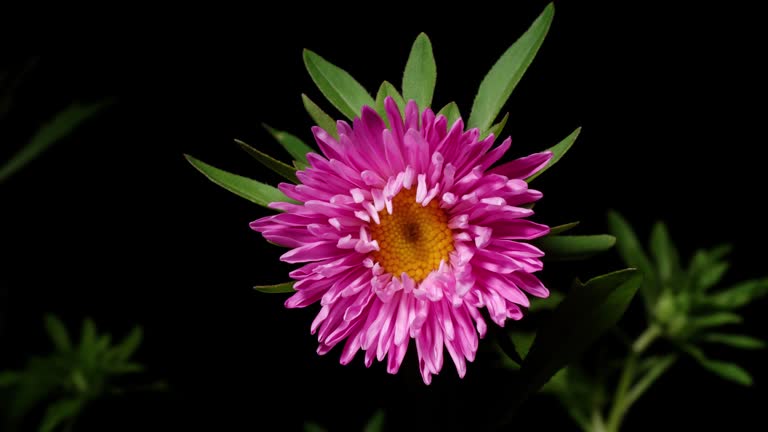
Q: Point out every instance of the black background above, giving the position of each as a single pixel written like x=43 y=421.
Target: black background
x=114 y=224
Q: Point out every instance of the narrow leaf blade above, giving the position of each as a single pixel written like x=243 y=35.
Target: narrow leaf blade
x=740 y=294
x=319 y=116
x=451 y=113
x=633 y=254
x=559 y=229
x=558 y=151
x=244 y=187
x=498 y=127
x=292 y=144
x=664 y=252
x=286 y=287
x=506 y=73
x=734 y=340
x=58 y=333
x=376 y=422
x=59 y=412
x=568 y=248
x=288 y=172
x=726 y=370
x=338 y=86
x=420 y=73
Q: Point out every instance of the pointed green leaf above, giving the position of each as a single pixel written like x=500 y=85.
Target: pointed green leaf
x=734 y=340
x=586 y=313
x=293 y=145
x=563 y=228
x=740 y=294
x=9 y=378
x=59 y=127
x=286 y=287
x=710 y=276
x=420 y=73
x=664 y=252
x=58 y=333
x=498 y=127
x=558 y=151
x=727 y=370
x=88 y=338
x=341 y=90
x=376 y=422
x=714 y=320
x=59 y=412
x=451 y=113
x=551 y=302
x=387 y=89
x=251 y=190
x=567 y=248
x=288 y=172
x=313 y=427
x=632 y=252
x=129 y=345
x=506 y=344
x=704 y=259
x=320 y=117
x=506 y=73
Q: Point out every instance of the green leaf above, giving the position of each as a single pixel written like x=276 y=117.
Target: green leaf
x=420 y=73
x=734 y=340
x=251 y=190
x=586 y=313
x=714 y=320
x=657 y=368
x=451 y=113
x=59 y=412
x=567 y=248
x=727 y=370
x=664 y=252
x=9 y=378
x=288 y=172
x=506 y=344
x=710 y=276
x=341 y=90
x=286 y=287
x=632 y=252
x=313 y=427
x=320 y=117
x=558 y=151
x=88 y=338
x=129 y=345
x=551 y=302
x=740 y=294
x=58 y=333
x=59 y=127
x=498 y=127
x=562 y=228
x=293 y=145
x=376 y=422
x=506 y=73
x=387 y=89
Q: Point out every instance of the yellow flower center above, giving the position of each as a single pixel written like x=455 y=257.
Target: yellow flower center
x=414 y=238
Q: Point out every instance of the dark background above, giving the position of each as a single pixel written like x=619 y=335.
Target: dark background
x=114 y=224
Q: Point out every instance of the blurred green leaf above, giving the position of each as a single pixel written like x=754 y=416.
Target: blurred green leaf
x=313 y=427
x=251 y=190
x=292 y=144
x=88 y=339
x=711 y=275
x=376 y=422
x=420 y=73
x=9 y=378
x=567 y=248
x=506 y=344
x=704 y=259
x=558 y=151
x=551 y=302
x=727 y=370
x=664 y=252
x=498 y=127
x=587 y=312
x=341 y=90
x=658 y=366
x=734 y=340
x=288 y=172
x=387 y=89
x=129 y=345
x=286 y=287
x=632 y=252
x=321 y=119
x=59 y=412
x=451 y=113
x=59 y=127
x=740 y=294
x=713 y=320
x=506 y=73
x=58 y=333
x=562 y=228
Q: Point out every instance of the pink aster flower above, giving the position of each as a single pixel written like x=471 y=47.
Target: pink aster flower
x=407 y=232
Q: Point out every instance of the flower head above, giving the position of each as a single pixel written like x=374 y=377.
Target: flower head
x=407 y=232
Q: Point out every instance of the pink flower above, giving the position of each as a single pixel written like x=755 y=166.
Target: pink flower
x=407 y=233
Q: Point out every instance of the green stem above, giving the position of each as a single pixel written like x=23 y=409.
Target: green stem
x=620 y=404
